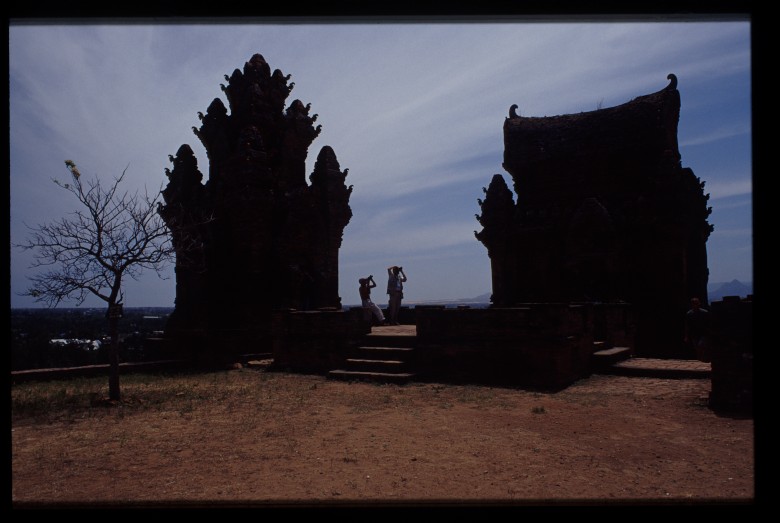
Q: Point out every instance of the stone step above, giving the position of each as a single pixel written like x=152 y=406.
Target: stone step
x=377 y=377
x=259 y=364
x=659 y=368
x=253 y=358
x=611 y=356
x=388 y=340
x=384 y=353
x=374 y=365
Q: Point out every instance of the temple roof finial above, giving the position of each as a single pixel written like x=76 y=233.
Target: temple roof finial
x=672 y=81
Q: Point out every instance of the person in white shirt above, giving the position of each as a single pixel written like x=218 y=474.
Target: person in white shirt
x=395 y=289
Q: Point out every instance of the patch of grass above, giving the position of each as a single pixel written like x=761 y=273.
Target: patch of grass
x=78 y=397
x=35 y=399
x=475 y=394
x=588 y=399
x=245 y=393
x=539 y=410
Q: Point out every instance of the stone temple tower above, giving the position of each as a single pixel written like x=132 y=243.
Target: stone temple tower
x=604 y=211
x=256 y=237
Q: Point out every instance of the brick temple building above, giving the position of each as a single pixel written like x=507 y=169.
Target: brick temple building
x=602 y=211
x=256 y=237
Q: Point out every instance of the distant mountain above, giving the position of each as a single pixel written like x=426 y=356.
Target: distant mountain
x=716 y=291
x=482 y=298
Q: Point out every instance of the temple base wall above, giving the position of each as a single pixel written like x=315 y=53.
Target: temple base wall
x=316 y=341
x=731 y=354
x=545 y=346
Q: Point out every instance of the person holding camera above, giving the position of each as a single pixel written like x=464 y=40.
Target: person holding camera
x=395 y=289
x=366 y=284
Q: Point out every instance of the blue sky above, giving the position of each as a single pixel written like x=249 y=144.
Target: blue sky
x=414 y=110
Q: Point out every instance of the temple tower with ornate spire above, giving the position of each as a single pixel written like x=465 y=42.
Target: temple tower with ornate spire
x=256 y=237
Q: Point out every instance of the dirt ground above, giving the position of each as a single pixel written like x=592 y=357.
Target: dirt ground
x=259 y=438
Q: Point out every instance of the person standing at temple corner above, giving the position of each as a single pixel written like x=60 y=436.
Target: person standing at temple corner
x=697 y=330
x=395 y=290
x=366 y=284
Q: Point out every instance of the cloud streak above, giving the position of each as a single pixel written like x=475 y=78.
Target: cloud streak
x=725 y=189
x=716 y=135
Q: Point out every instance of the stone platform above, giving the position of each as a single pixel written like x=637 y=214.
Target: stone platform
x=660 y=368
x=394 y=330
x=639 y=367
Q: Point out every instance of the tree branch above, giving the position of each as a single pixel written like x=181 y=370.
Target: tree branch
x=115 y=233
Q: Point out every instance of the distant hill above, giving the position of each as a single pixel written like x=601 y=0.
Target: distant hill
x=717 y=290
x=482 y=299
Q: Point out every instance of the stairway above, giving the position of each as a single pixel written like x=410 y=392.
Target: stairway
x=619 y=361
x=386 y=356
x=605 y=356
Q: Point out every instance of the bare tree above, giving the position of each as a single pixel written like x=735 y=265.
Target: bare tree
x=114 y=235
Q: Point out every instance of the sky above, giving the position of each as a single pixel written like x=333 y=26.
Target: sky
x=415 y=111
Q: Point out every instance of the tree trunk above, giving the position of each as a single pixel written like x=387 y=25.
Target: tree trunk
x=113 y=358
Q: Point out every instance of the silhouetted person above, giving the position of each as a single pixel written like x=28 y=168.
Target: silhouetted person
x=366 y=284
x=697 y=330
x=395 y=289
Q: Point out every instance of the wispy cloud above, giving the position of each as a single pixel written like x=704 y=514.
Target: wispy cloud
x=741 y=201
x=415 y=111
x=732 y=233
x=715 y=135
x=724 y=189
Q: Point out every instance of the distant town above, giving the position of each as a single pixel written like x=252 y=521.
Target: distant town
x=70 y=337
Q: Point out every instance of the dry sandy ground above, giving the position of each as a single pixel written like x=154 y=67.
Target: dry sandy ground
x=258 y=438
